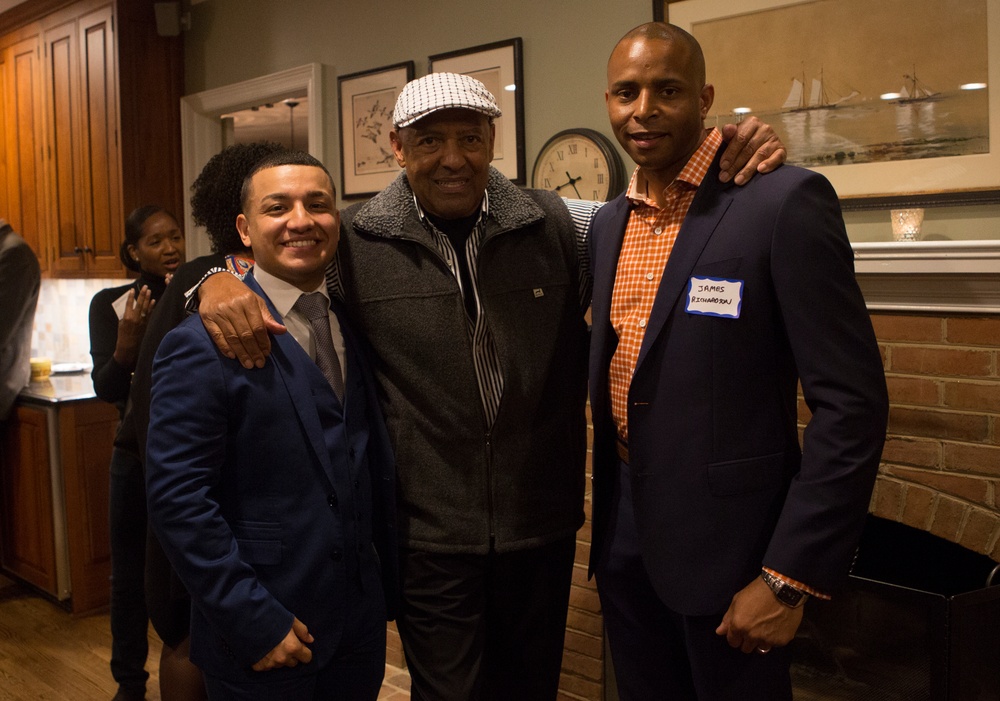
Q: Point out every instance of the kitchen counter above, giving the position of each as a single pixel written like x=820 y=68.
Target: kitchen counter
x=56 y=449
x=64 y=387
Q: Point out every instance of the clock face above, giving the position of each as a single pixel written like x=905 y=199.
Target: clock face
x=579 y=164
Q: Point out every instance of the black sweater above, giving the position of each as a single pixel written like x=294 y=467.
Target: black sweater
x=112 y=380
x=167 y=314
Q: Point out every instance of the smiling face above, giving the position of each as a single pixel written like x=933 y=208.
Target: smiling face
x=160 y=248
x=291 y=222
x=657 y=102
x=447 y=156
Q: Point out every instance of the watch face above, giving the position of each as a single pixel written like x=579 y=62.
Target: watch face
x=789 y=596
x=785 y=593
x=579 y=164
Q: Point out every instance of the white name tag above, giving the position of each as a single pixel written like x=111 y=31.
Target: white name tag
x=712 y=296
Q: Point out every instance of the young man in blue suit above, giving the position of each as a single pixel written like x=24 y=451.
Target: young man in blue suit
x=272 y=490
x=711 y=525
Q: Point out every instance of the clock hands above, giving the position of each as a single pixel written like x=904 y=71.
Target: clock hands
x=572 y=183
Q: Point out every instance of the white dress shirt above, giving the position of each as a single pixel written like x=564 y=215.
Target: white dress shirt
x=283 y=296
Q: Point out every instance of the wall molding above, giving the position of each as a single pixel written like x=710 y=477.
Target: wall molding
x=961 y=277
x=202 y=132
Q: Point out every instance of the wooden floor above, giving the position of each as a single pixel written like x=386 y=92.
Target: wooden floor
x=49 y=654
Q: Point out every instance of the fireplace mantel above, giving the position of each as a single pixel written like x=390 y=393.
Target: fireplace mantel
x=930 y=276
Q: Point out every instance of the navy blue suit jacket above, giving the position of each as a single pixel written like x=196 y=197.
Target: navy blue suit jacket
x=247 y=477
x=720 y=485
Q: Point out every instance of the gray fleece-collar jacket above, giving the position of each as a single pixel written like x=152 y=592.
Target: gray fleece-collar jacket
x=465 y=486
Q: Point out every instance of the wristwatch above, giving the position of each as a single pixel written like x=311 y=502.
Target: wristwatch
x=784 y=592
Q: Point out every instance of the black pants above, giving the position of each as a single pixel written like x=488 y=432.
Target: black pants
x=661 y=654
x=127 y=514
x=477 y=627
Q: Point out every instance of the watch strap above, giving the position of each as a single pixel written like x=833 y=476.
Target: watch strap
x=786 y=593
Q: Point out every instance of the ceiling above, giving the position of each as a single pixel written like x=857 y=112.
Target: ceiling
x=272 y=122
x=7 y=4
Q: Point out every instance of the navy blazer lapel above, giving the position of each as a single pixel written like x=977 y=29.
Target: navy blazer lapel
x=606 y=247
x=710 y=203
x=606 y=236
x=297 y=383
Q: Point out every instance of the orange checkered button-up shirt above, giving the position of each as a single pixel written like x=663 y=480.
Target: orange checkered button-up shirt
x=649 y=238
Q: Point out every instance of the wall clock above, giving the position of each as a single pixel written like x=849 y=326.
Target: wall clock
x=580 y=164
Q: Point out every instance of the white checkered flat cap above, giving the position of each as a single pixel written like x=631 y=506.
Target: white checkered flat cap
x=441 y=91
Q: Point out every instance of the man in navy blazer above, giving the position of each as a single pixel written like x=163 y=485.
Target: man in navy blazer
x=711 y=526
x=271 y=494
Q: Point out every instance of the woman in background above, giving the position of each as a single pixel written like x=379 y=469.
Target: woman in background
x=154 y=248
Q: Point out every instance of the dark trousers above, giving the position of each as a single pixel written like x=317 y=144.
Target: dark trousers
x=127 y=514
x=661 y=654
x=477 y=627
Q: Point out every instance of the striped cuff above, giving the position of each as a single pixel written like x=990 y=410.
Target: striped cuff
x=191 y=296
x=798 y=585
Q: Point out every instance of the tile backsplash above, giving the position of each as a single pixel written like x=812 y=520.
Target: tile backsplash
x=62 y=327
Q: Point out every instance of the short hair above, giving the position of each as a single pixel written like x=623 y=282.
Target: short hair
x=283 y=158
x=133 y=232
x=661 y=31
x=216 y=192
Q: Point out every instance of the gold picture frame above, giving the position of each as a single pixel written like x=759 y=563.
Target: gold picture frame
x=759 y=48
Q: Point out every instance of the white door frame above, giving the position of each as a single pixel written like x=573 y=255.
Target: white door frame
x=201 y=126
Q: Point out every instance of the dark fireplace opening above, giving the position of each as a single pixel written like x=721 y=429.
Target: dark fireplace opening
x=917 y=622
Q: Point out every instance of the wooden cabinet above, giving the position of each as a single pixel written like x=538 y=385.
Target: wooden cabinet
x=24 y=136
x=27 y=538
x=54 y=499
x=64 y=148
x=90 y=127
x=86 y=439
x=83 y=162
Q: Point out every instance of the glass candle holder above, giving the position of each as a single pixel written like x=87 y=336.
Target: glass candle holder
x=906 y=224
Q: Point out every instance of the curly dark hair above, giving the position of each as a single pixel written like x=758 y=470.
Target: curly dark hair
x=215 y=193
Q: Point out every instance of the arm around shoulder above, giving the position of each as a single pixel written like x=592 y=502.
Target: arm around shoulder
x=751 y=147
x=237 y=319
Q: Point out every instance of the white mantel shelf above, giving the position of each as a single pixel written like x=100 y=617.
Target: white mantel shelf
x=960 y=277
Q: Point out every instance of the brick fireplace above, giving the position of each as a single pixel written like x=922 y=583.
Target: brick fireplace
x=941 y=465
x=916 y=621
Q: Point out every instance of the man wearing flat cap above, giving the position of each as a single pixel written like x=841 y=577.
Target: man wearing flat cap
x=472 y=294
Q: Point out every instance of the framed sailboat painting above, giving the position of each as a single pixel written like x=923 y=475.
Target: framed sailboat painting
x=898 y=97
